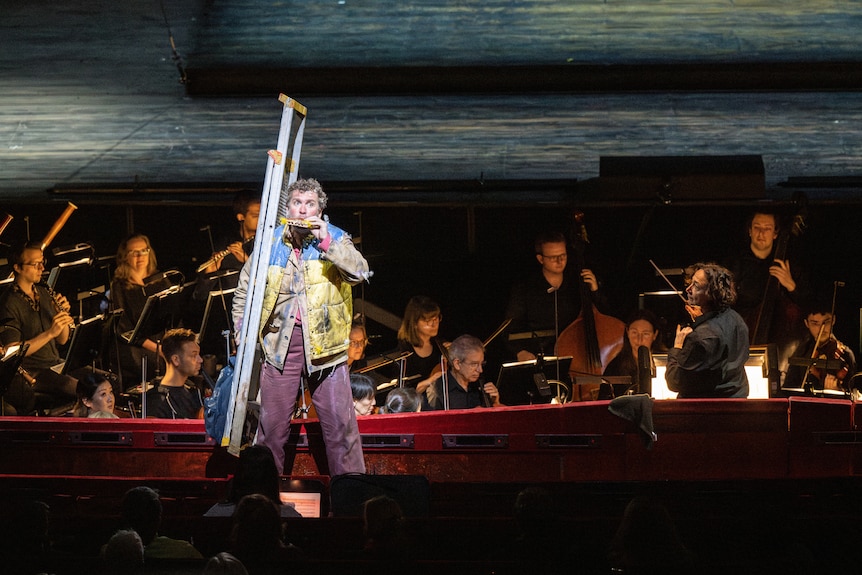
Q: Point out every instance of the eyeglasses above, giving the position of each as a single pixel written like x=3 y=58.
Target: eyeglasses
x=475 y=364
x=136 y=253
x=39 y=264
x=432 y=320
x=557 y=259
x=358 y=343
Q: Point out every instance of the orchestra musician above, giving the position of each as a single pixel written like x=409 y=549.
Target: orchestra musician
x=36 y=316
x=176 y=396
x=462 y=383
x=531 y=303
x=708 y=356
x=418 y=332
x=820 y=323
x=752 y=270
x=221 y=272
x=136 y=261
x=642 y=330
x=312 y=267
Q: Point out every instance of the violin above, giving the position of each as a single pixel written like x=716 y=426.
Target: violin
x=594 y=338
x=830 y=349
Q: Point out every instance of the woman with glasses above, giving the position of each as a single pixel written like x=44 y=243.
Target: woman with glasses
x=136 y=261
x=418 y=334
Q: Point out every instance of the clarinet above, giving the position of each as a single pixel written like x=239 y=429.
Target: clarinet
x=55 y=299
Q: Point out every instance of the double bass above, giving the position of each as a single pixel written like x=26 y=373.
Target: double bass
x=594 y=338
x=761 y=325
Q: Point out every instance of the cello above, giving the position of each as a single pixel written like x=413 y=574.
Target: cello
x=594 y=338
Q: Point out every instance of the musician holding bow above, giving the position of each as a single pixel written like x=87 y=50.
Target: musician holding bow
x=35 y=315
x=708 y=357
x=820 y=343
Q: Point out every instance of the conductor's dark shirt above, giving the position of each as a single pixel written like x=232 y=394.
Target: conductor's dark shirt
x=712 y=360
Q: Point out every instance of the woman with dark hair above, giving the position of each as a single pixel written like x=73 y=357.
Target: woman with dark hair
x=641 y=331
x=708 y=356
x=402 y=400
x=418 y=334
x=363 y=390
x=95 y=397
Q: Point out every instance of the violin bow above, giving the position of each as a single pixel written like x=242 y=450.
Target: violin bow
x=673 y=287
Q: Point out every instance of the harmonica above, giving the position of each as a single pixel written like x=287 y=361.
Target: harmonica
x=302 y=224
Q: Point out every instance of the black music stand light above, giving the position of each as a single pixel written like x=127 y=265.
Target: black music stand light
x=518 y=382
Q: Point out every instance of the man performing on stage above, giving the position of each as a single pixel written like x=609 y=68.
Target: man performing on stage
x=305 y=328
x=708 y=357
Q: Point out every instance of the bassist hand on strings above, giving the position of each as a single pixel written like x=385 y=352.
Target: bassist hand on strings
x=780 y=270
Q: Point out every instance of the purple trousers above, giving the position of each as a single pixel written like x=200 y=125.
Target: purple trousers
x=332 y=399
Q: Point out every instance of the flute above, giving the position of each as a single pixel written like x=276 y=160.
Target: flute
x=217 y=257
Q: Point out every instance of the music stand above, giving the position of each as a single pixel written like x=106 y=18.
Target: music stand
x=518 y=385
x=220 y=302
x=157 y=313
x=85 y=346
x=822 y=363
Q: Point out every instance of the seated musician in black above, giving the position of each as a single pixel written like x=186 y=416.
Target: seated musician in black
x=130 y=288
x=752 y=270
x=175 y=396
x=32 y=314
x=819 y=323
x=708 y=357
x=641 y=330
x=418 y=335
x=465 y=386
x=532 y=306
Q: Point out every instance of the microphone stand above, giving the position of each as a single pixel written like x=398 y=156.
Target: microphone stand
x=554 y=290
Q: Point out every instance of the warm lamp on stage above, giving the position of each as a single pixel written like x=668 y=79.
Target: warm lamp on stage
x=757 y=368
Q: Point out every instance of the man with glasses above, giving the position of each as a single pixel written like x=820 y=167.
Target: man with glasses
x=708 y=356
x=547 y=301
x=464 y=387
x=32 y=314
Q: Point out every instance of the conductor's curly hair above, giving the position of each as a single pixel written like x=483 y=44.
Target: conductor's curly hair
x=721 y=287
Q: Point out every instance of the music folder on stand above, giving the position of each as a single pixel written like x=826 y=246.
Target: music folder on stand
x=820 y=363
x=517 y=381
x=152 y=319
